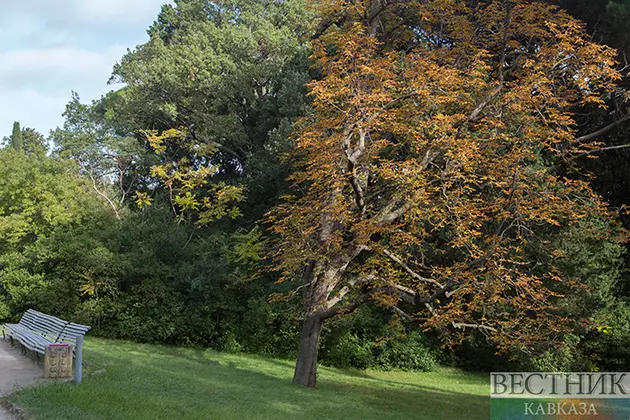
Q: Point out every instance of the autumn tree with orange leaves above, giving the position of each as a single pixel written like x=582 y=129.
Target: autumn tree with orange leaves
x=426 y=173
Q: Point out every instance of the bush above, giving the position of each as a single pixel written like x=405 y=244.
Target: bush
x=351 y=351
x=413 y=352
x=372 y=337
x=608 y=346
x=562 y=357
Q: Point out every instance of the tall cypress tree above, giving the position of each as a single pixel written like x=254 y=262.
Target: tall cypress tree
x=16 y=137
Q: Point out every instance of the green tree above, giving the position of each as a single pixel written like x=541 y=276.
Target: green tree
x=38 y=197
x=114 y=161
x=15 y=141
x=34 y=143
x=608 y=22
x=26 y=140
x=229 y=76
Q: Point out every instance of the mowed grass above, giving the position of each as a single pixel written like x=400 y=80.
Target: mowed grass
x=160 y=382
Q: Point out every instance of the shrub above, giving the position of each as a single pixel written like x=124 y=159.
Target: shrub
x=351 y=351
x=608 y=346
x=562 y=357
x=413 y=352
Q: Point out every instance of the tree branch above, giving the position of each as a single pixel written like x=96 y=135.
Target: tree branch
x=334 y=21
x=601 y=131
x=456 y=325
x=346 y=289
x=391 y=213
x=475 y=115
x=462 y=326
x=413 y=274
x=102 y=194
x=332 y=311
x=414 y=298
x=353 y=155
x=506 y=28
x=603 y=149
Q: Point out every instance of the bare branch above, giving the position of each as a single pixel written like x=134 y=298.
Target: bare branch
x=444 y=291
x=102 y=194
x=462 y=326
x=601 y=131
x=346 y=289
x=412 y=297
x=409 y=270
x=456 y=325
x=329 y=313
x=390 y=212
x=353 y=155
x=476 y=113
x=603 y=149
x=408 y=317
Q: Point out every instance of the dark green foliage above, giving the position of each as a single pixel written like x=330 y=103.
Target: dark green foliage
x=608 y=20
x=608 y=345
x=609 y=23
x=372 y=337
x=16 y=141
x=34 y=143
x=561 y=356
x=585 y=256
x=149 y=279
x=412 y=352
x=231 y=76
x=26 y=140
x=477 y=354
x=350 y=350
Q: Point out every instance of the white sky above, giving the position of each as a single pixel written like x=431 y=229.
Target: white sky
x=49 y=48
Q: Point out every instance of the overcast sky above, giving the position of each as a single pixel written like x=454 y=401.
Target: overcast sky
x=49 y=48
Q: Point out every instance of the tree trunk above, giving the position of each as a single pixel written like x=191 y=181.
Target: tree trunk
x=306 y=365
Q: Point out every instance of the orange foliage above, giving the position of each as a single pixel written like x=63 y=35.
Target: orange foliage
x=426 y=174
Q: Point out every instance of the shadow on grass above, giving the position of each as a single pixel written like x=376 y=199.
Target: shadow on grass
x=146 y=382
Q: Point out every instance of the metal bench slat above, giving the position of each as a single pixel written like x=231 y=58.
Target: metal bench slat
x=52 y=319
x=36 y=330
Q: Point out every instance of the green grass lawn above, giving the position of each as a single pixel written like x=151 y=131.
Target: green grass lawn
x=159 y=382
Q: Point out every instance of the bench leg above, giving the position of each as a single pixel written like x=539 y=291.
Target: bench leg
x=78 y=361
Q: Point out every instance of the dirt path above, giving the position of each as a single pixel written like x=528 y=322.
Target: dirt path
x=5 y=415
x=16 y=370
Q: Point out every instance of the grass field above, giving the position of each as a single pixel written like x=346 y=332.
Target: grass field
x=159 y=382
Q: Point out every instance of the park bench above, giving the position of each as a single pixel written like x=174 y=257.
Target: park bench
x=36 y=331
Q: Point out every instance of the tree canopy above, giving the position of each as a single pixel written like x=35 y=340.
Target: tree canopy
x=427 y=172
